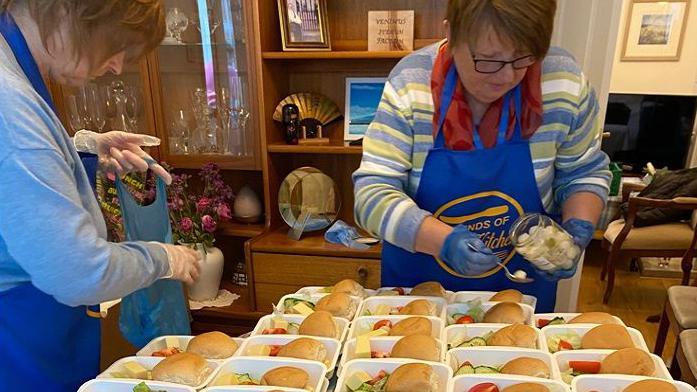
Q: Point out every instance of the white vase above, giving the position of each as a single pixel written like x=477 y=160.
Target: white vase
x=208 y=283
x=247 y=207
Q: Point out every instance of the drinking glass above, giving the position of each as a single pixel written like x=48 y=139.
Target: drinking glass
x=75 y=118
x=95 y=107
x=177 y=22
x=180 y=133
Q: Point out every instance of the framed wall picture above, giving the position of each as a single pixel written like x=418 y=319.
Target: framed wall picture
x=304 y=24
x=654 y=30
x=362 y=99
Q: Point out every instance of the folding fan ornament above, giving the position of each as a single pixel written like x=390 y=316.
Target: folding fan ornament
x=314 y=110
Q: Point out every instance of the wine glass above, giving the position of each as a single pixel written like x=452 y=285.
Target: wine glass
x=224 y=116
x=177 y=22
x=132 y=107
x=180 y=133
x=109 y=106
x=213 y=20
x=75 y=118
x=95 y=107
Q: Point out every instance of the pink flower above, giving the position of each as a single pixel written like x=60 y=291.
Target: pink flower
x=208 y=223
x=176 y=204
x=186 y=224
x=202 y=204
x=223 y=211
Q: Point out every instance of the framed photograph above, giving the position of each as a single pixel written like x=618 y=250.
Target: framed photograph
x=654 y=30
x=304 y=24
x=362 y=99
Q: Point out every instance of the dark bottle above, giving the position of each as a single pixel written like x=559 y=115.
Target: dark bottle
x=291 y=122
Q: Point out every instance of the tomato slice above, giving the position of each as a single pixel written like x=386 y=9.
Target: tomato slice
x=484 y=387
x=382 y=323
x=274 y=331
x=466 y=319
x=399 y=290
x=274 y=350
x=564 y=345
x=588 y=367
x=542 y=323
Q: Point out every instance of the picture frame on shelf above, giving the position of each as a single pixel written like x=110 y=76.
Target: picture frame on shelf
x=654 y=30
x=362 y=99
x=304 y=25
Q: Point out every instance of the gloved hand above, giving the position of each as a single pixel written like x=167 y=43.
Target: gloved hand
x=457 y=254
x=184 y=263
x=121 y=152
x=582 y=233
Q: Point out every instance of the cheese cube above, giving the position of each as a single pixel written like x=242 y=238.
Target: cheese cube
x=382 y=310
x=172 y=341
x=227 y=379
x=357 y=379
x=303 y=309
x=280 y=322
x=259 y=350
x=363 y=347
x=376 y=333
x=133 y=369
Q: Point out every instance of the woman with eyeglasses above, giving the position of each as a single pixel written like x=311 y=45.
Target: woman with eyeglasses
x=471 y=133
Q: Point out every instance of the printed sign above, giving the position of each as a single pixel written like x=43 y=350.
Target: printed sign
x=390 y=30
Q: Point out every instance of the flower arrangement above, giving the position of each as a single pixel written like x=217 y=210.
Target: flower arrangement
x=195 y=216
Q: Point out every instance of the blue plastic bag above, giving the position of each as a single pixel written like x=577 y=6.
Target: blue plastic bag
x=161 y=308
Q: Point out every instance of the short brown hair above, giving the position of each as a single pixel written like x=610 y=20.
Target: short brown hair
x=99 y=28
x=528 y=24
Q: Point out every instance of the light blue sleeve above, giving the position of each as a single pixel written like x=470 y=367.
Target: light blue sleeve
x=53 y=238
x=49 y=236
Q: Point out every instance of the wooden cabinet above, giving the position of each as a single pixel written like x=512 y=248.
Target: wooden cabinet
x=278 y=274
x=197 y=94
x=280 y=265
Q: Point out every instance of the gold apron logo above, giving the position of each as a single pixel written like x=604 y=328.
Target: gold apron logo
x=495 y=212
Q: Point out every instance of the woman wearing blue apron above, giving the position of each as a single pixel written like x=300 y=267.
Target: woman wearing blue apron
x=508 y=128
x=54 y=257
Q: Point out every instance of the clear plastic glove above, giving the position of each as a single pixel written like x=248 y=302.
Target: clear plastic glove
x=457 y=254
x=184 y=263
x=581 y=232
x=121 y=152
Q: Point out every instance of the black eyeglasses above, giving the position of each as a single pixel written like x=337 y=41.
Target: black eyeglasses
x=493 y=66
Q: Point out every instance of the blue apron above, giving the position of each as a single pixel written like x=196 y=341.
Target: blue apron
x=484 y=189
x=46 y=346
x=159 y=309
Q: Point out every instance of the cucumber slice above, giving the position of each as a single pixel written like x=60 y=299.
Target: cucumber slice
x=474 y=342
x=465 y=369
x=485 y=370
x=557 y=321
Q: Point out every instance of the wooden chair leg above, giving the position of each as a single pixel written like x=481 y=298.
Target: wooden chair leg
x=603 y=267
x=675 y=364
x=611 y=260
x=686 y=265
x=662 y=331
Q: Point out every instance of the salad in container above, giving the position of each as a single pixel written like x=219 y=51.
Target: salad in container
x=544 y=243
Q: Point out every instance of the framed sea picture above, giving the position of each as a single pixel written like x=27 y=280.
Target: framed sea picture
x=362 y=99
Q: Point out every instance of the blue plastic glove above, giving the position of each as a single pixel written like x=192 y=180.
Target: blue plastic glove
x=457 y=254
x=343 y=234
x=582 y=233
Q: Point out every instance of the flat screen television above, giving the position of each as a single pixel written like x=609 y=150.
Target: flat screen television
x=649 y=128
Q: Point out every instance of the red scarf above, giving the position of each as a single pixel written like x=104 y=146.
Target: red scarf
x=458 y=123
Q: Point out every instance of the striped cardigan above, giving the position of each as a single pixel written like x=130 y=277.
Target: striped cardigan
x=565 y=149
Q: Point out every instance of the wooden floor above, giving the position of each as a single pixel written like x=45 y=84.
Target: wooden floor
x=633 y=300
